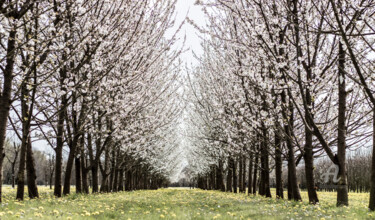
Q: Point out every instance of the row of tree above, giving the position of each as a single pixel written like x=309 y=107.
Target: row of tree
x=96 y=81
x=283 y=83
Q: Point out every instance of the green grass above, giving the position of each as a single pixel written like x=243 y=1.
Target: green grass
x=179 y=204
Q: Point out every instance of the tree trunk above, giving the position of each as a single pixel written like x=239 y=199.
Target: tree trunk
x=255 y=173
x=59 y=148
x=77 y=163
x=292 y=173
x=128 y=185
x=264 y=187
x=230 y=175
x=219 y=177
x=244 y=175
x=116 y=181
x=105 y=174
x=308 y=154
x=69 y=166
x=309 y=169
x=121 y=181
x=113 y=170
x=21 y=169
x=25 y=117
x=372 y=190
x=13 y=175
x=84 y=169
x=31 y=172
x=240 y=174
x=249 y=185
x=342 y=190
x=5 y=97
x=95 y=178
x=278 y=167
x=235 y=184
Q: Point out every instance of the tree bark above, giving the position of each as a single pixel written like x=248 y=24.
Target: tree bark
x=255 y=173
x=84 y=169
x=69 y=165
x=219 y=177
x=372 y=190
x=31 y=172
x=308 y=154
x=292 y=173
x=95 y=178
x=235 y=183
x=121 y=180
x=77 y=163
x=249 y=185
x=278 y=167
x=60 y=144
x=5 y=97
x=342 y=190
x=240 y=174
x=244 y=175
x=230 y=175
x=264 y=186
x=21 y=168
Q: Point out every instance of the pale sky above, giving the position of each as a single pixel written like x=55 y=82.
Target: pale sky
x=187 y=8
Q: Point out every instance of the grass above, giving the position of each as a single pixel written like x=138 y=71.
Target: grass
x=175 y=203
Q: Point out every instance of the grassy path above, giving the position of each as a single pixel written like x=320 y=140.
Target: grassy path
x=179 y=204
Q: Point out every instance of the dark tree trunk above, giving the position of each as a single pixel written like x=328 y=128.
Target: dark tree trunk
x=25 y=118
x=235 y=183
x=309 y=169
x=372 y=190
x=5 y=97
x=128 y=184
x=230 y=175
x=31 y=172
x=21 y=171
x=292 y=172
x=255 y=173
x=121 y=181
x=50 y=180
x=85 y=171
x=293 y=189
x=104 y=187
x=116 y=181
x=278 y=167
x=58 y=170
x=59 y=148
x=95 y=178
x=69 y=167
x=77 y=163
x=264 y=186
x=292 y=176
x=13 y=175
x=219 y=177
x=250 y=180
x=244 y=175
x=308 y=154
x=240 y=174
x=342 y=190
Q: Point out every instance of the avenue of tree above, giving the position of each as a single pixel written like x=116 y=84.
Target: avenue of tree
x=96 y=79
x=280 y=85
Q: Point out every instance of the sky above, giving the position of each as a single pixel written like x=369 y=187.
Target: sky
x=187 y=8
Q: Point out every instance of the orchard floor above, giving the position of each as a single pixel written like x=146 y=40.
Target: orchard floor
x=174 y=203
